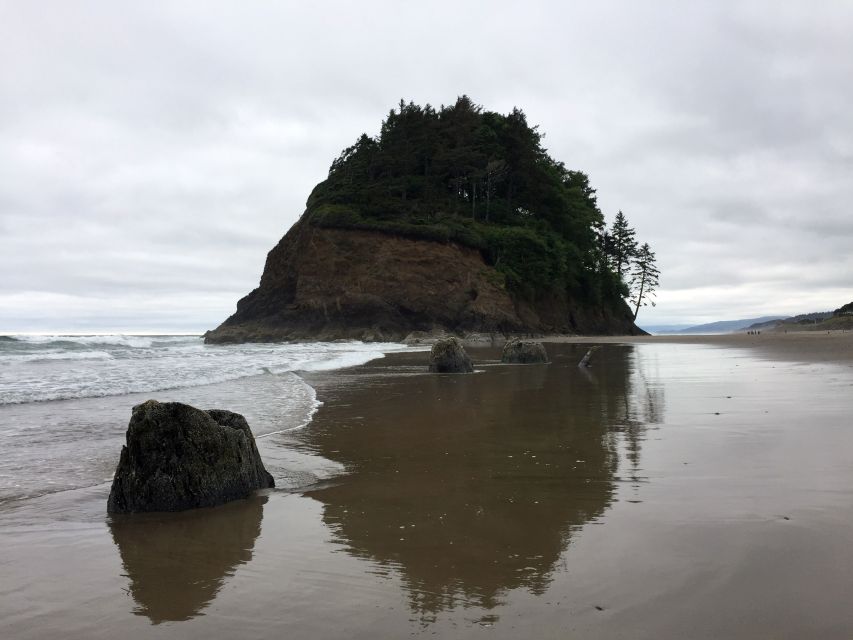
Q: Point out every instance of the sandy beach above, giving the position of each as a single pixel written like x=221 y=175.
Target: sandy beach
x=680 y=487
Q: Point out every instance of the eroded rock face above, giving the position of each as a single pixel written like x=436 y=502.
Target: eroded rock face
x=329 y=284
x=448 y=356
x=524 y=352
x=178 y=457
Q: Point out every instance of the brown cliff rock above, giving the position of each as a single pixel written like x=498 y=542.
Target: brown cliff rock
x=326 y=284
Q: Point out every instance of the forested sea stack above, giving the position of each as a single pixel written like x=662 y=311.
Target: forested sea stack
x=452 y=219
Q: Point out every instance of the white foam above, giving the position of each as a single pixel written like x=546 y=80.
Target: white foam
x=121 y=340
x=60 y=355
x=50 y=368
x=340 y=361
x=311 y=406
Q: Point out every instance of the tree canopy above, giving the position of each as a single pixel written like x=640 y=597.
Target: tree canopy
x=846 y=309
x=622 y=247
x=462 y=174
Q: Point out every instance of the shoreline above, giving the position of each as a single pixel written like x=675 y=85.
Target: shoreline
x=794 y=346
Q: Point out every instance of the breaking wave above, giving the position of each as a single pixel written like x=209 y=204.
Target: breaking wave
x=43 y=368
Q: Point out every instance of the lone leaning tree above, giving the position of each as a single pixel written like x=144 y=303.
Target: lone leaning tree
x=644 y=278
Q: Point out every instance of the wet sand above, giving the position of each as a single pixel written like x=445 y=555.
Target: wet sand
x=675 y=489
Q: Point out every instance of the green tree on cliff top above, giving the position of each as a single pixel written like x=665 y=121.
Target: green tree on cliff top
x=623 y=244
x=462 y=174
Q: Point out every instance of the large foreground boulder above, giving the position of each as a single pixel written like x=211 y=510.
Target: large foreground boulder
x=448 y=356
x=178 y=457
x=524 y=352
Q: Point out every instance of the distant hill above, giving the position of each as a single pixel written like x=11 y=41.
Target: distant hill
x=840 y=319
x=802 y=319
x=721 y=326
x=664 y=329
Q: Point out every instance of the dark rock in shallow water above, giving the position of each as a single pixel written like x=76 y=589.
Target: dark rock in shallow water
x=448 y=356
x=524 y=352
x=178 y=457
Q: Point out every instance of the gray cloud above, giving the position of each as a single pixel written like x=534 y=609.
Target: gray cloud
x=152 y=154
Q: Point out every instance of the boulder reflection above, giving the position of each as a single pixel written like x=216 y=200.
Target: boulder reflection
x=176 y=563
x=469 y=486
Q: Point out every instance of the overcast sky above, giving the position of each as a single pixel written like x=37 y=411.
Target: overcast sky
x=151 y=153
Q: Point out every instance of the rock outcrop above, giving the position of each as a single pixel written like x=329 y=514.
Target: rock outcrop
x=326 y=284
x=448 y=356
x=178 y=457
x=524 y=352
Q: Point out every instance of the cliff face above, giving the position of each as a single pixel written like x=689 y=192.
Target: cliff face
x=326 y=284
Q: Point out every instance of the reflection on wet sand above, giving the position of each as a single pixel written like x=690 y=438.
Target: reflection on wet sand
x=470 y=486
x=176 y=563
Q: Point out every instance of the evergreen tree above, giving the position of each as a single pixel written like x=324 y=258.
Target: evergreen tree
x=623 y=245
x=644 y=278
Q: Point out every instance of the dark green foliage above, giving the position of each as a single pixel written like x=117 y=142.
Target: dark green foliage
x=622 y=245
x=844 y=310
x=480 y=179
x=438 y=228
x=531 y=261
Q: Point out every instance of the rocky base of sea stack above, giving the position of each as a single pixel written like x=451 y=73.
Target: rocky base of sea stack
x=178 y=457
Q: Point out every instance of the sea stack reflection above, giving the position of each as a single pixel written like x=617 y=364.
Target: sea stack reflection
x=176 y=563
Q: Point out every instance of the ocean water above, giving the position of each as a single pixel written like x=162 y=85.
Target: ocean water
x=65 y=401
x=57 y=367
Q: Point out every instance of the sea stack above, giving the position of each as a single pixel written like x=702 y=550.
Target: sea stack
x=178 y=457
x=453 y=220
